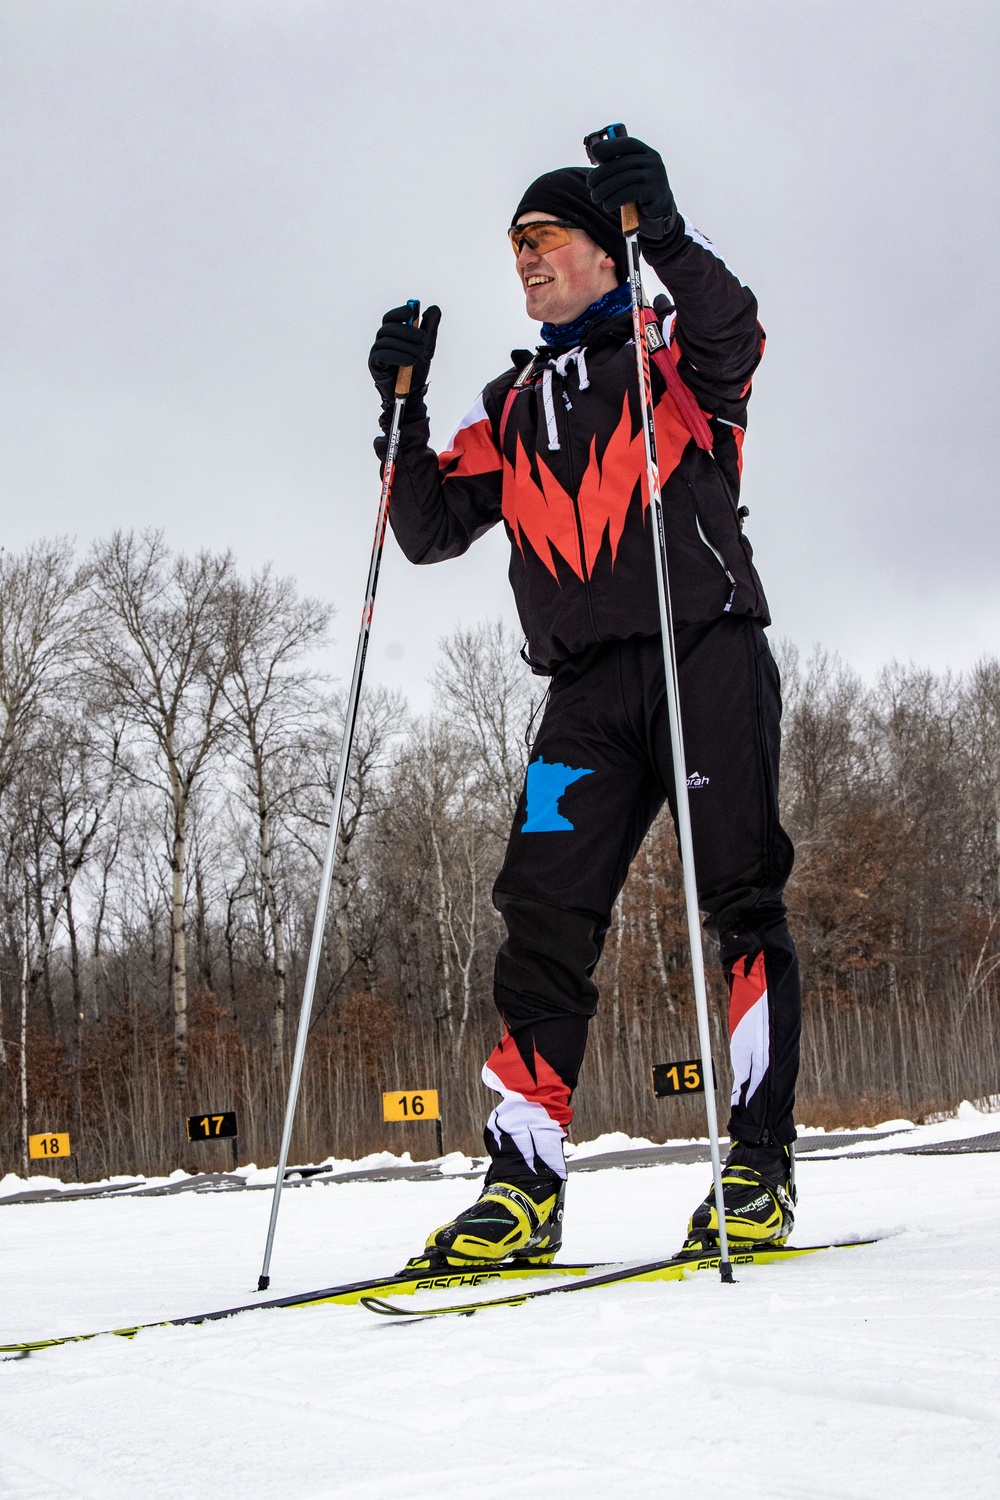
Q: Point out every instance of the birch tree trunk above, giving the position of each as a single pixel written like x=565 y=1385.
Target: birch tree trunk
x=166 y=658
x=24 y=1038
x=616 y=972
x=78 y=1013
x=654 y=927
x=270 y=629
x=178 y=940
x=442 y=932
x=278 y=959
x=465 y=965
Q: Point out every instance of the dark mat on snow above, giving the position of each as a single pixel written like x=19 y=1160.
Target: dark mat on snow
x=971 y=1146
x=48 y=1195
x=419 y=1171
x=638 y=1156
x=203 y=1182
x=810 y=1145
x=821 y=1147
x=215 y=1182
x=697 y=1151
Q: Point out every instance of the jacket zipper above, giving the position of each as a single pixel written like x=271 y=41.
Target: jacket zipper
x=713 y=549
x=739 y=512
x=576 y=512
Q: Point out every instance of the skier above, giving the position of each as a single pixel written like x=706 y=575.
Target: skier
x=554 y=448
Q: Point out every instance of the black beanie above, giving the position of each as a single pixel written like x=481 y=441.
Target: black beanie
x=564 y=194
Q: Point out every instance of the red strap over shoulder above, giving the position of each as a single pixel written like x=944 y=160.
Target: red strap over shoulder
x=685 y=401
x=508 y=403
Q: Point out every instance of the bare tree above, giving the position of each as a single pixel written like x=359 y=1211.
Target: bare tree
x=981 y=734
x=383 y=718
x=891 y=791
x=42 y=603
x=272 y=704
x=823 y=749
x=490 y=698
x=63 y=790
x=42 y=633
x=438 y=836
x=165 y=656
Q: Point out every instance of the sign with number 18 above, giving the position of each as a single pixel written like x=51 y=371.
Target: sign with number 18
x=52 y=1143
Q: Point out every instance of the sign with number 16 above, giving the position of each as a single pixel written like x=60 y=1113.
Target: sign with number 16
x=419 y=1104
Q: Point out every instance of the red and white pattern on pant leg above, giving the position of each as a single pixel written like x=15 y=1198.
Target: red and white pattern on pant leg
x=532 y=1111
x=749 y=1044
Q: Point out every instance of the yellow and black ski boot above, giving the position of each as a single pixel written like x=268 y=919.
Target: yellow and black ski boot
x=758 y=1191
x=516 y=1223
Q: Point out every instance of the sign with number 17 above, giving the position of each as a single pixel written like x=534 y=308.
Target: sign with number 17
x=220 y=1127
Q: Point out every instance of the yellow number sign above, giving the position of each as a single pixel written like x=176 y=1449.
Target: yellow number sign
x=684 y=1077
x=410 y=1105
x=53 y=1143
x=210 y=1127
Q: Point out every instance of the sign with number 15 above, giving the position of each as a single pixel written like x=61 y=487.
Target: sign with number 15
x=685 y=1077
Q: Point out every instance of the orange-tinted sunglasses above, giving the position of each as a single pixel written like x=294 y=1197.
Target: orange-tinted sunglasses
x=543 y=235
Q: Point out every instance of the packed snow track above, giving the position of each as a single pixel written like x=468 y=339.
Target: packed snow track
x=874 y=1373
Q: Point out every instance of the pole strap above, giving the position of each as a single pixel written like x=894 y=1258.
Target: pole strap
x=684 y=398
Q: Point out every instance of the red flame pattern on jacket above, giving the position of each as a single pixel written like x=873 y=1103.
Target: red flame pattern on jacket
x=545 y=515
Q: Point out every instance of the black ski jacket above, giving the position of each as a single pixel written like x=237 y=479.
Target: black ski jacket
x=556 y=451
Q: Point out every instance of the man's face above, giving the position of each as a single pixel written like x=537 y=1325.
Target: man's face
x=559 y=286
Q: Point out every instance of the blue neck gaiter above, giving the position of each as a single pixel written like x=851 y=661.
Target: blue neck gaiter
x=568 y=335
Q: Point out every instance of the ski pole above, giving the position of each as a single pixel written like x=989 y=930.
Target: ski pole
x=630 y=229
x=403 y=377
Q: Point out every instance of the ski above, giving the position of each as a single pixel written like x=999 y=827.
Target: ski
x=371 y=1293
x=401 y=1285
x=676 y=1268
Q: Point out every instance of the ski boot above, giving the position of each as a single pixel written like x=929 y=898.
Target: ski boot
x=516 y=1223
x=758 y=1192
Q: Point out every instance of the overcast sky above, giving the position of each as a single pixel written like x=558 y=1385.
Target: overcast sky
x=208 y=204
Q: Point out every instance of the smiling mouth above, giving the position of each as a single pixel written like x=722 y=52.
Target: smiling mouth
x=531 y=281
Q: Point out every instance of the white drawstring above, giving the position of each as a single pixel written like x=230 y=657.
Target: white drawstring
x=560 y=363
x=550 y=411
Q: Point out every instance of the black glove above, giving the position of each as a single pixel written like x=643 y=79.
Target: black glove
x=398 y=343
x=629 y=171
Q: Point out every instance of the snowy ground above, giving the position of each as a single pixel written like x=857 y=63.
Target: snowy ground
x=870 y=1373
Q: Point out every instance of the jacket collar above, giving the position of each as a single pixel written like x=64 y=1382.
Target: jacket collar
x=594 y=335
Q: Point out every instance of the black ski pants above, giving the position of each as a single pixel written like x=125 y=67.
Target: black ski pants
x=599 y=773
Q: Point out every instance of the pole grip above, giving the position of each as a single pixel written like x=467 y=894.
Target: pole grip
x=630 y=218
x=404 y=374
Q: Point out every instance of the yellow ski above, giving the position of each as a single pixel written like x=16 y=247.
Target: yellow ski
x=676 y=1268
x=401 y=1285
